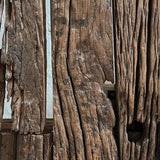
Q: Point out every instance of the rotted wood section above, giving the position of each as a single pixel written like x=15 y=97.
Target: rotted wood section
x=137 y=41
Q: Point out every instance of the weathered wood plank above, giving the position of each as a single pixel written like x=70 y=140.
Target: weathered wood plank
x=26 y=64
x=90 y=66
x=82 y=62
x=7 y=146
x=67 y=135
x=47 y=146
x=137 y=65
x=30 y=147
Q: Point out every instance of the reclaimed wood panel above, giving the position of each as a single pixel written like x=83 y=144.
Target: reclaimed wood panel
x=137 y=41
x=25 y=62
x=82 y=62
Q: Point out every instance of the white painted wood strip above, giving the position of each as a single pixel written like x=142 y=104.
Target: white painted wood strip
x=49 y=86
x=7 y=105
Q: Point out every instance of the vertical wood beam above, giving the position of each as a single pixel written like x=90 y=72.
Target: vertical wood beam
x=26 y=64
x=137 y=70
x=82 y=62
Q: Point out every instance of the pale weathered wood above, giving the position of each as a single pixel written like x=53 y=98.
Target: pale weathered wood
x=7 y=146
x=26 y=64
x=137 y=64
x=82 y=62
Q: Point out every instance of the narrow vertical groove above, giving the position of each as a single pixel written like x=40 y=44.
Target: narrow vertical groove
x=113 y=42
x=136 y=98
x=67 y=59
x=115 y=106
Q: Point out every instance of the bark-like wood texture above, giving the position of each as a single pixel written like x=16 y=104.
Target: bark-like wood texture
x=137 y=44
x=82 y=62
x=25 y=64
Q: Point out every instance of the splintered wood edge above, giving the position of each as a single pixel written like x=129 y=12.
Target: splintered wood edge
x=7 y=125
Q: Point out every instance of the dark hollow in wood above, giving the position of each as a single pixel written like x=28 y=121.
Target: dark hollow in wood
x=135 y=132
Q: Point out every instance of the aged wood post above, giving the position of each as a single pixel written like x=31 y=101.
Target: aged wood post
x=23 y=53
x=137 y=64
x=25 y=62
x=82 y=62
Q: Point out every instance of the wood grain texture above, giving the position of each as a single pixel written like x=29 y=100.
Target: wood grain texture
x=47 y=146
x=29 y=147
x=137 y=70
x=67 y=134
x=7 y=146
x=25 y=62
x=82 y=62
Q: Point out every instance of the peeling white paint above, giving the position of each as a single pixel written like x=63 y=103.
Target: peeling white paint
x=7 y=105
x=49 y=89
x=2 y=26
